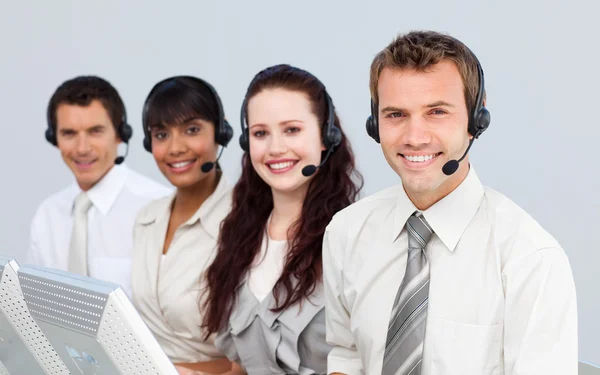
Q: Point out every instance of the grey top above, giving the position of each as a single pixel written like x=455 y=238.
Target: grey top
x=288 y=342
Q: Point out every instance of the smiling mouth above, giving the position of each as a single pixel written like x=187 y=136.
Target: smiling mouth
x=420 y=158
x=181 y=164
x=282 y=166
x=84 y=163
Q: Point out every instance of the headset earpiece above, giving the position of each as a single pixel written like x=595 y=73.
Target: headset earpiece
x=51 y=136
x=480 y=118
x=245 y=135
x=332 y=136
x=373 y=123
x=224 y=134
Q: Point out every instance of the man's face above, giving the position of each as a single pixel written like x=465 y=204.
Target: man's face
x=423 y=122
x=87 y=141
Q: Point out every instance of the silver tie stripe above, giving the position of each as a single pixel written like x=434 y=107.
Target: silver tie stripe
x=406 y=331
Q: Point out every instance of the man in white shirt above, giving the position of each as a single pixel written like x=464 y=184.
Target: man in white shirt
x=87 y=228
x=441 y=275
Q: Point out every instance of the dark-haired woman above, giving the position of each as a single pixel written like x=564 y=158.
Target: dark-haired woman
x=265 y=297
x=175 y=238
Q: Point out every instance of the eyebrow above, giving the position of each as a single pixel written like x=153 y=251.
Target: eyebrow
x=187 y=120
x=95 y=127
x=439 y=103
x=290 y=121
x=392 y=109
x=282 y=123
x=156 y=127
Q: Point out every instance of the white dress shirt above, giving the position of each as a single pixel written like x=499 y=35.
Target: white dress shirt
x=501 y=296
x=116 y=201
x=167 y=288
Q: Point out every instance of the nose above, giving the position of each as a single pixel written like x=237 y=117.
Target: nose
x=177 y=145
x=278 y=145
x=416 y=133
x=83 y=144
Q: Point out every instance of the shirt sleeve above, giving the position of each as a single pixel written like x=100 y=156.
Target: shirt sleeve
x=344 y=357
x=540 y=315
x=225 y=344
x=33 y=255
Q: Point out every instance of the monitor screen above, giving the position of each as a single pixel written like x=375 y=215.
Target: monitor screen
x=23 y=347
x=92 y=324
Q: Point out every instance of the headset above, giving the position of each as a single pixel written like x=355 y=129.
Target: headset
x=479 y=119
x=332 y=135
x=223 y=130
x=124 y=131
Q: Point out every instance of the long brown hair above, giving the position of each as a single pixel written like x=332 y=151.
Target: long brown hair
x=335 y=186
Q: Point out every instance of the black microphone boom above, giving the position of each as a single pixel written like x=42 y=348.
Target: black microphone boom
x=310 y=169
x=451 y=166
x=209 y=165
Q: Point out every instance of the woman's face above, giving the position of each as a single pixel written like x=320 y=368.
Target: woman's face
x=285 y=136
x=180 y=150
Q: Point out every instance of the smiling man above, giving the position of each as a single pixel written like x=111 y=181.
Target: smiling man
x=87 y=228
x=441 y=275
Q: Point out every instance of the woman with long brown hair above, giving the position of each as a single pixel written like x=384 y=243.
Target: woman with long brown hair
x=265 y=295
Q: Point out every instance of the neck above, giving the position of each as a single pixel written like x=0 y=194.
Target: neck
x=189 y=199
x=287 y=209
x=85 y=187
x=424 y=200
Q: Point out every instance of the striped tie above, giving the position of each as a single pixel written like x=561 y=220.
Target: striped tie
x=406 y=332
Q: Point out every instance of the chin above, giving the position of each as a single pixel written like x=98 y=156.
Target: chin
x=185 y=182
x=287 y=187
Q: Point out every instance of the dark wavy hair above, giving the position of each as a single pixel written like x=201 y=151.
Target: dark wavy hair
x=335 y=186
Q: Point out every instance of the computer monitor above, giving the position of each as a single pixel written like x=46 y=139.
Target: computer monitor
x=92 y=324
x=23 y=347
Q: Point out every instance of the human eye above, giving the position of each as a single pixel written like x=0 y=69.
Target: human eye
x=438 y=112
x=159 y=135
x=395 y=115
x=259 y=133
x=193 y=129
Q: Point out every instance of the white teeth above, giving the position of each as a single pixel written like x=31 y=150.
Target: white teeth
x=284 y=165
x=181 y=164
x=419 y=159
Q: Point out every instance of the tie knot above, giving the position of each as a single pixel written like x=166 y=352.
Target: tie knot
x=82 y=203
x=418 y=227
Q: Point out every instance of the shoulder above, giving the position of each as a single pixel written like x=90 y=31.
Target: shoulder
x=145 y=187
x=153 y=210
x=516 y=233
x=366 y=209
x=58 y=202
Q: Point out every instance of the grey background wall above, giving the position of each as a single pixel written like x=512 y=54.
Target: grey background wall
x=540 y=59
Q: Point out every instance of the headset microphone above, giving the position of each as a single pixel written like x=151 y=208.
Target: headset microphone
x=209 y=165
x=309 y=170
x=121 y=159
x=451 y=166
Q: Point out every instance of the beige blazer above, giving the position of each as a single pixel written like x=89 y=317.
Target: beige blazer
x=166 y=287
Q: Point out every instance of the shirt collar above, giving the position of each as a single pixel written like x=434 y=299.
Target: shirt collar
x=105 y=192
x=450 y=216
x=210 y=222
